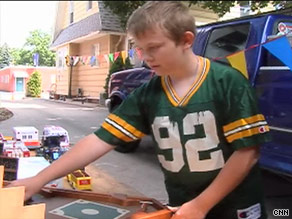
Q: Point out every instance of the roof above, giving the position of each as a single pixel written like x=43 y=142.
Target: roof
x=104 y=20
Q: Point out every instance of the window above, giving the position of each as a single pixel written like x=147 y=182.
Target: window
x=61 y=58
x=71 y=12
x=89 y=5
x=24 y=137
x=280 y=28
x=134 y=59
x=227 y=40
x=95 y=51
x=29 y=136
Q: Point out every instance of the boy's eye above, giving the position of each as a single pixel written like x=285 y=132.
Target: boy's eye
x=152 y=48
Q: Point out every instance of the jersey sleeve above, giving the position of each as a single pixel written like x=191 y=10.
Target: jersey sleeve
x=127 y=122
x=244 y=124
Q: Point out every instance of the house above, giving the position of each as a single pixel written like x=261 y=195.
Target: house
x=88 y=32
x=85 y=30
x=91 y=37
x=13 y=80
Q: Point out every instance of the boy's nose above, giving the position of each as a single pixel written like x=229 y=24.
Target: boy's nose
x=147 y=58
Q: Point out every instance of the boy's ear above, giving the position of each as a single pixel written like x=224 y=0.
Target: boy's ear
x=188 y=39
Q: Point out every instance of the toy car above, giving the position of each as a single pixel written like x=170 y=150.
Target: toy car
x=28 y=134
x=55 y=142
x=14 y=148
x=53 y=133
x=79 y=179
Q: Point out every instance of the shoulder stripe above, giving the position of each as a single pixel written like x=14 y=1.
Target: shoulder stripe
x=128 y=127
x=245 y=127
x=116 y=132
x=247 y=133
x=243 y=122
x=120 y=128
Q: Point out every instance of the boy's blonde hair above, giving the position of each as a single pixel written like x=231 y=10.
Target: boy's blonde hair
x=171 y=16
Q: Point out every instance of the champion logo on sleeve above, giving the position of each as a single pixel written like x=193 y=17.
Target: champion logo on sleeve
x=252 y=212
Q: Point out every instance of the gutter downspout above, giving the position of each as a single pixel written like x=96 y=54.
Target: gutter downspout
x=70 y=78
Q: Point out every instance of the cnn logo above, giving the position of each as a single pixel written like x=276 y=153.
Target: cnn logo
x=281 y=212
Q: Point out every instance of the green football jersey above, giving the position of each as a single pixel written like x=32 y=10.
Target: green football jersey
x=196 y=134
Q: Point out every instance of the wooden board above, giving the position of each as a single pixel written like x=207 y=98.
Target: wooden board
x=64 y=203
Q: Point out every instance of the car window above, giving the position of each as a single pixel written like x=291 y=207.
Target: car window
x=281 y=28
x=226 y=40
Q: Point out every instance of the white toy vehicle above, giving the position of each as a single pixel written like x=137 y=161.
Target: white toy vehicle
x=28 y=134
x=55 y=142
x=52 y=133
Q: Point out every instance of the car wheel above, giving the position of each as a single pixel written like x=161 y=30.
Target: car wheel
x=128 y=147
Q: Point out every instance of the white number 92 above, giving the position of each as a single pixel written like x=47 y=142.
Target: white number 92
x=192 y=146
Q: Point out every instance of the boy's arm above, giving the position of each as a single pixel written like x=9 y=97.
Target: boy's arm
x=235 y=170
x=81 y=154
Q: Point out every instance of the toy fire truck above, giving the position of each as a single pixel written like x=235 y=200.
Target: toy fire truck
x=14 y=148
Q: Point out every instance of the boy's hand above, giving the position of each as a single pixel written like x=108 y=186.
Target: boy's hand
x=189 y=210
x=32 y=186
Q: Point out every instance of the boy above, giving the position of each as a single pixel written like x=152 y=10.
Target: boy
x=203 y=117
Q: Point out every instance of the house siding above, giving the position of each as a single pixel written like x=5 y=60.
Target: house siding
x=90 y=78
x=80 y=12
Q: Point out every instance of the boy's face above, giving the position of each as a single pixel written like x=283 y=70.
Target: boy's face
x=160 y=52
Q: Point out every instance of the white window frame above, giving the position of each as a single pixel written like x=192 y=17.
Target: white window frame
x=95 y=51
x=71 y=12
x=60 y=58
x=89 y=5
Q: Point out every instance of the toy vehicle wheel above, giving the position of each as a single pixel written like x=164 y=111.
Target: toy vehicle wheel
x=128 y=148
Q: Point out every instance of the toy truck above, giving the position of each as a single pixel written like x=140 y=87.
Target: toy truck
x=12 y=148
x=54 y=142
x=270 y=76
x=79 y=179
x=28 y=134
x=53 y=133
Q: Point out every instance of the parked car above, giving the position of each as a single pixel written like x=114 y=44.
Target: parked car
x=271 y=79
x=121 y=84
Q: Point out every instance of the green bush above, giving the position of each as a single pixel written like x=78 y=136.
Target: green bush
x=34 y=84
x=118 y=65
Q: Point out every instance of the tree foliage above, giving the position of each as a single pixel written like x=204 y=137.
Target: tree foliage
x=125 y=8
x=34 y=84
x=5 y=57
x=118 y=65
x=37 y=42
